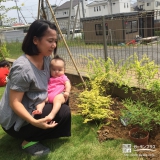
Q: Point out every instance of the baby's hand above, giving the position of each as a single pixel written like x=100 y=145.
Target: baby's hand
x=66 y=96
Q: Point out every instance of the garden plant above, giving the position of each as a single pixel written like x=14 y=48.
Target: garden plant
x=143 y=109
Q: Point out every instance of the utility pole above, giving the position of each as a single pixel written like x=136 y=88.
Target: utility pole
x=75 y=21
x=47 y=10
x=39 y=4
x=110 y=6
x=43 y=10
x=22 y=16
x=83 y=9
x=17 y=10
x=69 y=20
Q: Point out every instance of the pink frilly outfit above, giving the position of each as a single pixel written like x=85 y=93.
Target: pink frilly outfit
x=56 y=86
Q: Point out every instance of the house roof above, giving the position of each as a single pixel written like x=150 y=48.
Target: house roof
x=111 y=16
x=120 y=15
x=66 y=5
x=97 y=2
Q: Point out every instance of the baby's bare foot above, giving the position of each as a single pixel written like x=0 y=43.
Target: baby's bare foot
x=36 y=112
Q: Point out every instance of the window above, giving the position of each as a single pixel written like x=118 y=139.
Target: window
x=131 y=26
x=77 y=31
x=157 y=3
x=141 y=6
x=99 y=29
x=134 y=26
x=127 y=5
x=71 y=32
x=124 y=5
x=148 y=4
x=98 y=8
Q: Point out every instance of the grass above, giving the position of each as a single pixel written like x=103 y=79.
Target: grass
x=82 y=145
x=14 y=49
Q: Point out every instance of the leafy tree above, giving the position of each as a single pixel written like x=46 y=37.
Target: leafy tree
x=3 y=11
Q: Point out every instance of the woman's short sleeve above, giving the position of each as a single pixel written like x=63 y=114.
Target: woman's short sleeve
x=19 y=78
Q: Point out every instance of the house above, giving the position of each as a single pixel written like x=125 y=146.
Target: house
x=87 y=9
x=150 y=5
x=62 y=13
x=103 y=7
x=118 y=28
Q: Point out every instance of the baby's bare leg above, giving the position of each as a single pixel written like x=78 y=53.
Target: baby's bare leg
x=57 y=102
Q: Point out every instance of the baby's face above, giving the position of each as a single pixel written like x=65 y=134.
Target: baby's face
x=57 y=68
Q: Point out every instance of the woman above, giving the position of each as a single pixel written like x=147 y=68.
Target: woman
x=27 y=87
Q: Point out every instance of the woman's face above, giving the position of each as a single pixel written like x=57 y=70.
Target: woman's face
x=47 y=43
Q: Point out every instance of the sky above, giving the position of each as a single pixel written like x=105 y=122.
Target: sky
x=29 y=9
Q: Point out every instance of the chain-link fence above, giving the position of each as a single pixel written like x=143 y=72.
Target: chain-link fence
x=115 y=36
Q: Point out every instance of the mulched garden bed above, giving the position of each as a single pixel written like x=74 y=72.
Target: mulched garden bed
x=116 y=130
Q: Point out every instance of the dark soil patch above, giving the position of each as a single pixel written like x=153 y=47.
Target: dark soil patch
x=116 y=130
x=138 y=135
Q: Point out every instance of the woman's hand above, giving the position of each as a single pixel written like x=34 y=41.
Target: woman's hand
x=45 y=123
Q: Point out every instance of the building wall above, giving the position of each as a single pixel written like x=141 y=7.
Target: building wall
x=13 y=35
x=99 y=9
x=150 y=5
x=117 y=7
x=107 y=8
x=124 y=6
x=115 y=35
x=62 y=15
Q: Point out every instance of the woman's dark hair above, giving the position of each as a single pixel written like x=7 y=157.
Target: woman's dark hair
x=4 y=63
x=36 y=29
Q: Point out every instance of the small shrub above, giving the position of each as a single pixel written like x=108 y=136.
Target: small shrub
x=4 y=53
x=141 y=114
x=94 y=104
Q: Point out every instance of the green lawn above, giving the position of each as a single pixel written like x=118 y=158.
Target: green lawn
x=82 y=145
x=14 y=49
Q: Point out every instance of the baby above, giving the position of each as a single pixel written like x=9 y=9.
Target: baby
x=58 y=87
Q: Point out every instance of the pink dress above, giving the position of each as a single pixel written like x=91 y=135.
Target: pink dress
x=56 y=86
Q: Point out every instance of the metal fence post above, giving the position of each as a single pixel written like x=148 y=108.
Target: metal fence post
x=104 y=38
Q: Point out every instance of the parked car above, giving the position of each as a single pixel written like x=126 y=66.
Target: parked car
x=77 y=34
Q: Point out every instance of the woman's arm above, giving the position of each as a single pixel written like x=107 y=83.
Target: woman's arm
x=15 y=99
